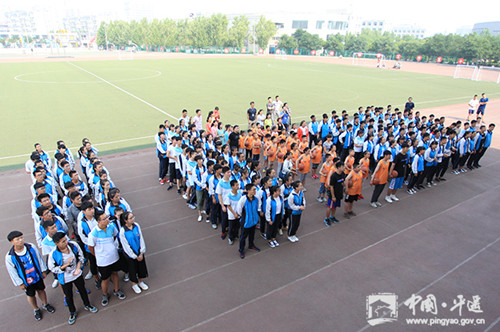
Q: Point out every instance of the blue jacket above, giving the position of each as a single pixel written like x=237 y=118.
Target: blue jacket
x=37 y=275
x=58 y=259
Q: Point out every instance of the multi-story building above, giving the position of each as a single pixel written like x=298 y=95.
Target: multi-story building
x=494 y=27
x=408 y=30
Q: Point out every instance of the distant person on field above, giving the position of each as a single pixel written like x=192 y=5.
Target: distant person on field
x=482 y=106
x=473 y=106
x=410 y=105
x=251 y=113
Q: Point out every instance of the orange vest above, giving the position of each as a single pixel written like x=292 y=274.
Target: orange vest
x=242 y=142
x=349 y=160
x=306 y=161
x=272 y=152
x=357 y=179
x=326 y=170
x=319 y=154
x=256 y=145
x=383 y=171
x=366 y=163
x=283 y=151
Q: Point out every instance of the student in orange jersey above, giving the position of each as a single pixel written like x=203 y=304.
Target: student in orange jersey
x=303 y=144
x=271 y=151
x=281 y=153
x=304 y=159
x=379 y=178
x=354 y=190
x=248 y=144
x=265 y=145
x=365 y=164
x=349 y=162
x=316 y=157
x=324 y=171
x=256 y=147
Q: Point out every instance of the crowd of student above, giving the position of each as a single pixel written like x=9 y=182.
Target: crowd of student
x=238 y=180
x=212 y=167
x=77 y=222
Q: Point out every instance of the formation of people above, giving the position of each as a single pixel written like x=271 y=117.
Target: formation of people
x=241 y=182
x=77 y=223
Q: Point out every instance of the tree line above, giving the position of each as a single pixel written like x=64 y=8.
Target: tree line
x=218 y=31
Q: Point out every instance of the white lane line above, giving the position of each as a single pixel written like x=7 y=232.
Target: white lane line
x=124 y=91
x=333 y=264
x=490 y=327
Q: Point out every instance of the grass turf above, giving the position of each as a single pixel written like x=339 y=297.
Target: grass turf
x=56 y=100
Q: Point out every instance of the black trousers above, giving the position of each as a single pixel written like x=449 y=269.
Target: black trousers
x=294 y=224
x=163 y=167
x=92 y=262
x=286 y=218
x=442 y=167
x=470 y=161
x=429 y=172
x=215 y=213
x=246 y=232
x=455 y=159
x=68 y=293
x=313 y=139
x=262 y=224
x=272 y=230
x=377 y=191
x=420 y=178
x=234 y=228
x=137 y=270
x=463 y=159
x=173 y=173
x=479 y=155
x=224 y=221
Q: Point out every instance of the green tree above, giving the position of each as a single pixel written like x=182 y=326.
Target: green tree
x=335 y=42
x=217 y=30
x=287 y=42
x=264 y=30
x=409 y=46
x=101 y=35
x=306 y=40
x=238 y=32
x=198 y=32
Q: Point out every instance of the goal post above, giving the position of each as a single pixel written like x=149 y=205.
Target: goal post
x=368 y=59
x=466 y=72
x=489 y=74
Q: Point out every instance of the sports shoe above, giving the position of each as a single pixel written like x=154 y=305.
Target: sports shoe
x=285 y=228
x=374 y=205
x=242 y=254
x=49 y=308
x=335 y=220
x=271 y=244
x=410 y=191
x=92 y=309
x=98 y=284
x=121 y=295
x=207 y=220
x=276 y=244
x=263 y=235
x=200 y=218
x=463 y=170
x=136 y=289
x=394 y=198
x=203 y=212
x=170 y=187
x=347 y=216
x=254 y=248
x=291 y=239
x=406 y=183
x=214 y=226
x=352 y=213
x=72 y=318
x=327 y=222
x=185 y=196
x=361 y=196
x=230 y=241
x=105 y=300
x=38 y=314
x=280 y=232
x=378 y=203
x=442 y=179
x=192 y=206
x=223 y=236
x=319 y=199
x=143 y=285
x=88 y=275
x=55 y=283
x=162 y=182
x=433 y=183
x=126 y=278
x=429 y=185
x=388 y=199
x=295 y=238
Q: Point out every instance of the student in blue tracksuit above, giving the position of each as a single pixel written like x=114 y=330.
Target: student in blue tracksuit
x=27 y=269
x=248 y=208
x=66 y=261
x=262 y=195
x=231 y=203
x=286 y=189
x=297 y=203
x=274 y=213
x=486 y=142
x=417 y=171
x=134 y=246
x=431 y=161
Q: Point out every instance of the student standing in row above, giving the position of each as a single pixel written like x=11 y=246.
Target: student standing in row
x=336 y=190
x=379 y=179
x=297 y=203
x=248 y=208
x=274 y=213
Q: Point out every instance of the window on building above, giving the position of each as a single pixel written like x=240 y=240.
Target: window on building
x=364 y=23
x=337 y=25
x=299 y=24
x=375 y=23
x=319 y=24
x=369 y=23
x=381 y=23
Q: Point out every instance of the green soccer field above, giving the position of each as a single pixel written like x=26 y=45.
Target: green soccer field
x=125 y=101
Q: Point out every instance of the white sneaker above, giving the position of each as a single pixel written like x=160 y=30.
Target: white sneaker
x=271 y=244
x=378 y=203
x=55 y=283
x=394 y=198
x=374 y=205
x=136 y=289
x=280 y=232
x=88 y=275
x=214 y=226
x=185 y=196
x=291 y=239
x=200 y=218
x=433 y=183
x=203 y=212
x=388 y=199
x=207 y=220
x=429 y=185
x=410 y=191
x=143 y=286
x=230 y=241
x=276 y=244
x=295 y=238
x=125 y=277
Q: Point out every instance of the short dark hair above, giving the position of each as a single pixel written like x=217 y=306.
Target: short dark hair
x=12 y=235
x=58 y=237
x=98 y=214
x=48 y=223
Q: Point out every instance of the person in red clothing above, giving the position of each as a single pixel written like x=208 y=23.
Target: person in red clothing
x=303 y=130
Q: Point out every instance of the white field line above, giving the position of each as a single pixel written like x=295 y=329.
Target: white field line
x=124 y=91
